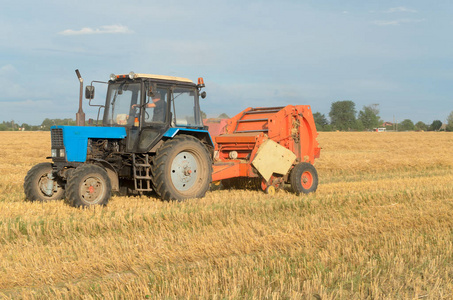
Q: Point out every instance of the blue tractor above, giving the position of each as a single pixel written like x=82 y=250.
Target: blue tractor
x=152 y=139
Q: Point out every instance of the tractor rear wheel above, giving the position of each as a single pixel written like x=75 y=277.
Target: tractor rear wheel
x=304 y=178
x=182 y=169
x=88 y=185
x=40 y=184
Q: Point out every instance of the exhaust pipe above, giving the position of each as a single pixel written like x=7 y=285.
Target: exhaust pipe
x=80 y=115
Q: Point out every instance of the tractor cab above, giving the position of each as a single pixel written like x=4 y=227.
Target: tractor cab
x=147 y=106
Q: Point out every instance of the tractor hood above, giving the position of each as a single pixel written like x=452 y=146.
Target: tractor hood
x=74 y=139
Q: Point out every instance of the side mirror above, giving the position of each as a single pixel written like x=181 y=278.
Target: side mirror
x=203 y=95
x=89 y=92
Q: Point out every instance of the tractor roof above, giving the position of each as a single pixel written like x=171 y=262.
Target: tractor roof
x=163 y=77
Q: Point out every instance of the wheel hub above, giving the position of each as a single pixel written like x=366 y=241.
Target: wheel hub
x=187 y=171
x=184 y=171
x=306 y=180
x=92 y=190
x=47 y=185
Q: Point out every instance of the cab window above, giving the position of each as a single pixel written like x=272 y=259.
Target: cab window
x=123 y=103
x=184 y=108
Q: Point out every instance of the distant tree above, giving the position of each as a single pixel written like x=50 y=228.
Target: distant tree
x=406 y=125
x=421 y=126
x=203 y=115
x=359 y=125
x=369 y=116
x=66 y=122
x=342 y=115
x=9 y=126
x=223 y=116
x=327 y=127
x=450 y=122
x=26 y=127
x=435 y=126
x=320 y=121
x=47 y=123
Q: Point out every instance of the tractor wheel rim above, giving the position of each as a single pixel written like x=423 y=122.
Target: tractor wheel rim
x=184 y=171
x=92 y=190
x=306 y=180
x=42 y=183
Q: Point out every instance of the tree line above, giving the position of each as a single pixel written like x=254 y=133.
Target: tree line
x=344 y=117
x=45 y=125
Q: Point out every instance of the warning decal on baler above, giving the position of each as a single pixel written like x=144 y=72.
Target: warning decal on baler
x=273 y=158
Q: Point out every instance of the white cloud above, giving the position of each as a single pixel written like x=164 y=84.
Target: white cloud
x=400 y=9
x=8 y=70
x=397 y=22
x=107 y=29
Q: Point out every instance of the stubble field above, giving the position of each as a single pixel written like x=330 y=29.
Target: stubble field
x=380 y=226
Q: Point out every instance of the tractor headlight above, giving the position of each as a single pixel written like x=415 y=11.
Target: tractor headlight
x=57 y=152
x=131 y=75
x=112 y=77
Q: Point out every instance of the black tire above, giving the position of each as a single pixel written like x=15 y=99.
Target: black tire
x=36 y=181
x=88 y=185
x=182 y=169
x=304 y=178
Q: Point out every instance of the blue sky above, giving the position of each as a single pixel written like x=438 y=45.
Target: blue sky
x=397 y=54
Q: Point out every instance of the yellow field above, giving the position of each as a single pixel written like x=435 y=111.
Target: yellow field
x=380 y=226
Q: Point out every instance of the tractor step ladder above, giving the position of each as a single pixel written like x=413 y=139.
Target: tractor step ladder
x=142 y=174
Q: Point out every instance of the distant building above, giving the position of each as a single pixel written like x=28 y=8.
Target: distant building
x=387 y=124
x=216 y=126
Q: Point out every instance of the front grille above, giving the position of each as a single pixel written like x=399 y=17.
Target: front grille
x=56 y=135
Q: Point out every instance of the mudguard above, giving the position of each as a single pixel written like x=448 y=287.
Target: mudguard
x=199 y=133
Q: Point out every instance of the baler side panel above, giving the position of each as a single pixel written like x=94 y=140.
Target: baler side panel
x=309 y=147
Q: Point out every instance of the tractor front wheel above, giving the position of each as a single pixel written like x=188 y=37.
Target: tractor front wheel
x=41 y=185
x=304 y=178
x=88 y=185
x=182 y=169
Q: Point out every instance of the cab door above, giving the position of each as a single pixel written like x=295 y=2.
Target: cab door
x=155 y=115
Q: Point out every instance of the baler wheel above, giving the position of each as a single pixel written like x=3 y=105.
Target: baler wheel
x=39 y=187
x=182 y=169
x=304 y=178
x=270 y=190
x=88 y=185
